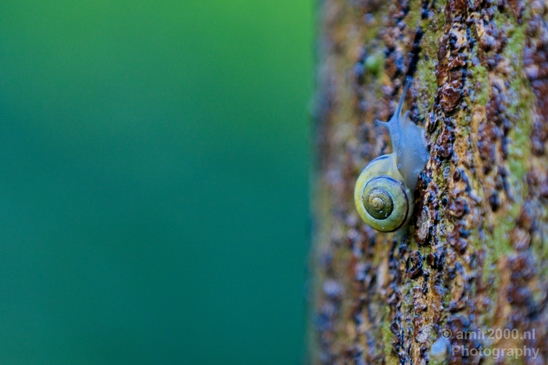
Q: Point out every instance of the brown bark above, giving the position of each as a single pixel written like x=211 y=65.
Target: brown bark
x=473 y=260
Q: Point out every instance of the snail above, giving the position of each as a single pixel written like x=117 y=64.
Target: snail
x=384 y=190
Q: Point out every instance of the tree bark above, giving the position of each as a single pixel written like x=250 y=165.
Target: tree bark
x=473 y=261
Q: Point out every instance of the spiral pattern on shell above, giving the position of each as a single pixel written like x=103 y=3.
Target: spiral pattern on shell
x=383 y=202
x=378 y=203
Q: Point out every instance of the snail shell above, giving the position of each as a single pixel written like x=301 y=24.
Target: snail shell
x=384 y=190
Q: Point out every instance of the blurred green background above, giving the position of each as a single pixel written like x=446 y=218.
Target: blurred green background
x=154 y=181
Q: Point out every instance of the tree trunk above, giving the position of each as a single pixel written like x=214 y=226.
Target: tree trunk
x=469 y=273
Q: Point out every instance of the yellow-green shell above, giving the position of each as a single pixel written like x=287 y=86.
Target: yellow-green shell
x=382 y=175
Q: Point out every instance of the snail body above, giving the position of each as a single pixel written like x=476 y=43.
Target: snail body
x=384 y=190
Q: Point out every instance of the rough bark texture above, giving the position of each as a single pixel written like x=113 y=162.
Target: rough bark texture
x=474 y=257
